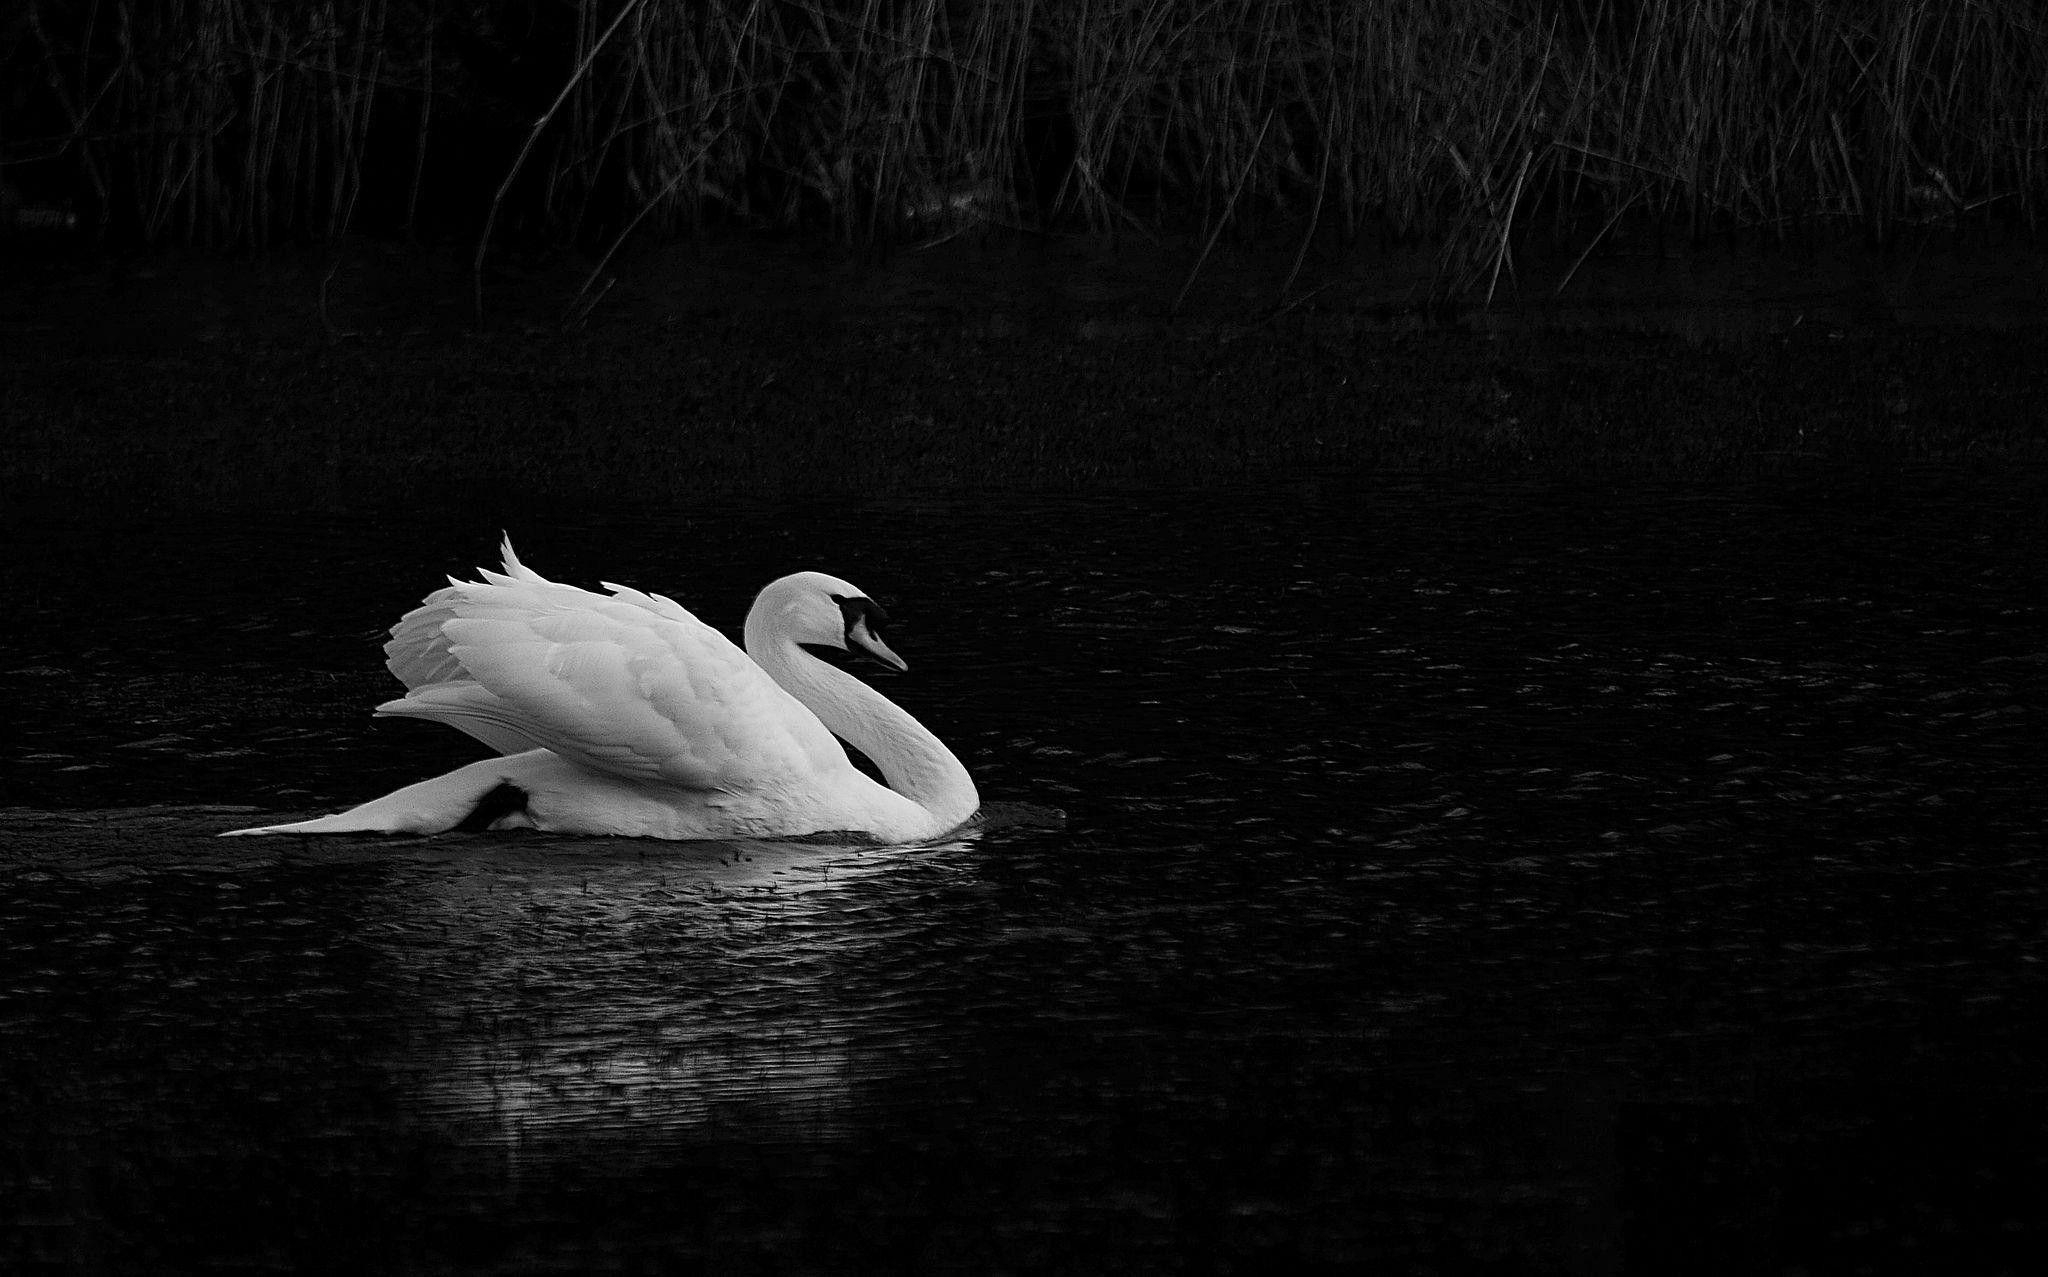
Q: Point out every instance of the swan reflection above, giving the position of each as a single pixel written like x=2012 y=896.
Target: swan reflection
x=560 y=991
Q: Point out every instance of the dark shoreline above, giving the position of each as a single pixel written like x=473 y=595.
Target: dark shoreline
x=194 y=386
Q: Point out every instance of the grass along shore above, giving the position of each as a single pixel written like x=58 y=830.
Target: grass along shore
x=1477 y=128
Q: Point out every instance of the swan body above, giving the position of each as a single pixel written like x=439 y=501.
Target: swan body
x=623 y=714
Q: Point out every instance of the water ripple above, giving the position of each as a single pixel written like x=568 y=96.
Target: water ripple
x=1404 y=829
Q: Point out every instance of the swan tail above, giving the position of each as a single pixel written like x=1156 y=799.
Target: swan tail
x=484 y=795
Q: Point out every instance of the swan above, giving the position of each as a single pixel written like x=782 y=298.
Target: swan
x=623 y=714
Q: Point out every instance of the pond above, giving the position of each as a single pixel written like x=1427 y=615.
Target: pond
x=1380 y=873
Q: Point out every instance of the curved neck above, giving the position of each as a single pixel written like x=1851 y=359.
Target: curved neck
x=916 y=763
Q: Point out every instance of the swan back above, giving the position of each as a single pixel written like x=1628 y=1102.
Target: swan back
x=626 y=683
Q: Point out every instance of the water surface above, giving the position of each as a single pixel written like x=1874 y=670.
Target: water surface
x=1552 y=879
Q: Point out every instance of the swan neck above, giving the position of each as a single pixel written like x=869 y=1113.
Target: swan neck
x=915 y=763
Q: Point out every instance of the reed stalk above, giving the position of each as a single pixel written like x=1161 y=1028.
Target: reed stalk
x=1479 y=125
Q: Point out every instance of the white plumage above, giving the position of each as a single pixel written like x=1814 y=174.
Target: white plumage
x=623 y=714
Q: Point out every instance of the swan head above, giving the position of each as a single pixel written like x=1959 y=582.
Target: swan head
x=813 y=609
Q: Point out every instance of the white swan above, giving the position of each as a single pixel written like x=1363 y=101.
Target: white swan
x=626 y=715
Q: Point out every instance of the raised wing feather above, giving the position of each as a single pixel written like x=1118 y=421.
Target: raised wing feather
x=418 y=654
x=627 y=683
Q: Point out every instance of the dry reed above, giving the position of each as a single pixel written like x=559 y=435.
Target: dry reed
x=1470 y=123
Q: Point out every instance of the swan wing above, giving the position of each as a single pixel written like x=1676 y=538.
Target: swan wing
x=626 y=683
x=418 y=653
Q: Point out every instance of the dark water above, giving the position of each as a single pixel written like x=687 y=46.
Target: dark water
x=1462 y=879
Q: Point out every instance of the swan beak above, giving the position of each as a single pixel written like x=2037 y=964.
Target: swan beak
x=862 y=639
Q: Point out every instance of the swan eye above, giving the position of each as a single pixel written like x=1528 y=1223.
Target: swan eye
x=857 y=608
